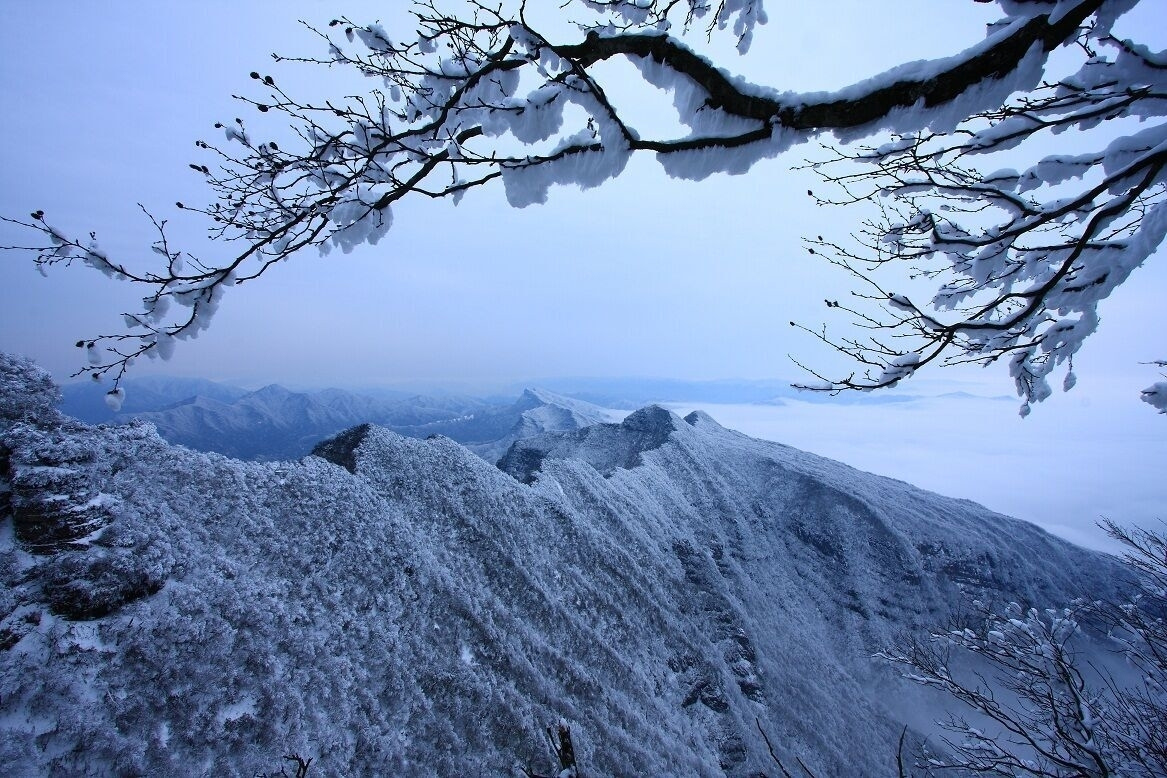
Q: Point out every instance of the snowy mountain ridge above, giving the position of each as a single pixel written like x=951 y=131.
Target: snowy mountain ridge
x=273 y=422
x=400 y=606
x=276 y=423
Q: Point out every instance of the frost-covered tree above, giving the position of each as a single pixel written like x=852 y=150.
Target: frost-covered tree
x=1035 y=707
x=1013 y=261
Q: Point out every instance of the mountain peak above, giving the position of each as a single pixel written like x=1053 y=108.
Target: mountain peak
x=533 y=397
x=702 y=420
x=712 y=579
x=652 y=419
x=342 y=449
x=606 y=447
x=272 y=390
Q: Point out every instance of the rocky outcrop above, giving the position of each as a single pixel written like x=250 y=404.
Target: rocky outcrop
x=51 y=477
x=606 y=447
x=54 y=502
x=62 y=517
x=342 y=449
x=27 y=392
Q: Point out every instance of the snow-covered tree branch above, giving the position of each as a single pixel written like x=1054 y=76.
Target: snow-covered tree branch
x=1156 y=394
x=1034 y=707
x=1016 y=261
x=478 y=92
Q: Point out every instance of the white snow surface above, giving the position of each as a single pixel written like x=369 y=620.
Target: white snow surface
x=660 y=585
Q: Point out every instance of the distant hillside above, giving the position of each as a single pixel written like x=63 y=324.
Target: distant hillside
x=396 y=606
x=85 y=400
x=275 y=423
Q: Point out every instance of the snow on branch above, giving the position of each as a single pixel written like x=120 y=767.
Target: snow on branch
x=1015 y=262
x=1155 y=395
x=480 y=93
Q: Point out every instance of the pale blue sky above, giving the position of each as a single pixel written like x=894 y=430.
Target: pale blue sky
x=644 y=276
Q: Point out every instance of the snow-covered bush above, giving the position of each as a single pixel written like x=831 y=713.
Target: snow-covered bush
x=1034 y=706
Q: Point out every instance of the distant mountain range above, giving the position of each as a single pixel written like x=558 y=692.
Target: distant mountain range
x=85 y=400
x=490 y=432
x=275 y=423
x=667 y=588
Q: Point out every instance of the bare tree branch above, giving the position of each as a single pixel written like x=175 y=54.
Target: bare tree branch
x=1044 y=717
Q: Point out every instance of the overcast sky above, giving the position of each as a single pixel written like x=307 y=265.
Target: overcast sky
x=645 y=276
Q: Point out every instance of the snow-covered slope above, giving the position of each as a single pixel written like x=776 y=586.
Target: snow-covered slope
x=396 y=606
